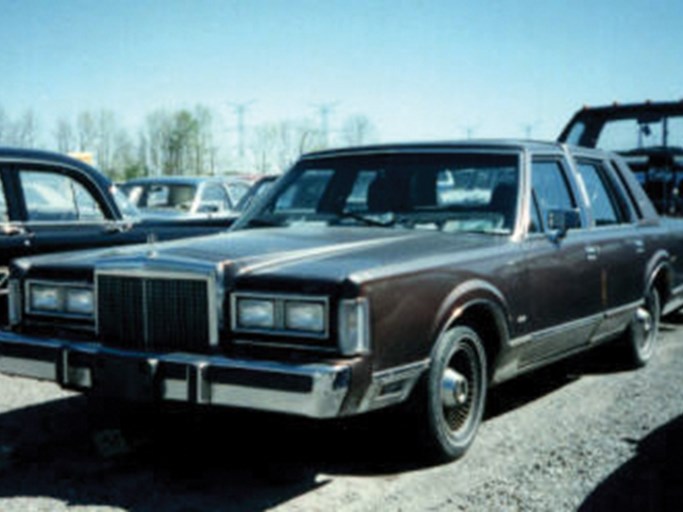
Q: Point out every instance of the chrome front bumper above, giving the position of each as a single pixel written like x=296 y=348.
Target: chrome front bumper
x=314 y=390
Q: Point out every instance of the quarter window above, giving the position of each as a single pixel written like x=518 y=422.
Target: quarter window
x=55 y=197
x=215 y=196
x=607 y=205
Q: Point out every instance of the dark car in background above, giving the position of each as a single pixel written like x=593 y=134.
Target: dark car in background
x=648 y=135
x=258 y=189
x=417 y=274
x=185 y=196
x=50 y=202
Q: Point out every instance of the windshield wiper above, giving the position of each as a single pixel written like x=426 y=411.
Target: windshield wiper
x=369 y=221
x=262 y=222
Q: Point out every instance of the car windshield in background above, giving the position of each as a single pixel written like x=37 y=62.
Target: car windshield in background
x=631 y=134
x=472 y=192
x=162 y=196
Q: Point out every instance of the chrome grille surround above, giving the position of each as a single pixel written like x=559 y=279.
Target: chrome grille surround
x=158 y=309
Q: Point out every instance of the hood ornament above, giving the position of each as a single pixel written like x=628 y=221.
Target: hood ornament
x=151 y=245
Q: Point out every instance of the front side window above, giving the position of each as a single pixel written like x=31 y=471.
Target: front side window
x=551 y=191
x=54 y=197
x=449 y=192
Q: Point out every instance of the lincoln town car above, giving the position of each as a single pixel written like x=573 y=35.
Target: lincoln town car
x=414 y=275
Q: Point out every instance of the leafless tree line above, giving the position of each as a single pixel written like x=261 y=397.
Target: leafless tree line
x=185 y=141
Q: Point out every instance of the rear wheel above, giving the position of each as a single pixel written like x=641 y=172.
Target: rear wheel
x=456 y=393
x=640 y=339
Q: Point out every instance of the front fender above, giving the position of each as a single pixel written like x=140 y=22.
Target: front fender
x=482 y=306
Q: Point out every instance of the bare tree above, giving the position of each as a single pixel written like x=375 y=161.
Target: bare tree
x=106 y=132
x=275 y=146
x=4 y=127
x=357 y=130
x=26 y=130
x=65 y=136
x=86 y=131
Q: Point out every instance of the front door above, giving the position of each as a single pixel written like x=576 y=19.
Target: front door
x=563 y=273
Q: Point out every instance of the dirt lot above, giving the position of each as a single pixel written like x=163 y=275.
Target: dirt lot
x=584 y=435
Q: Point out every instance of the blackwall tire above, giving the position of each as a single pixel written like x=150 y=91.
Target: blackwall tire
x=456 y=388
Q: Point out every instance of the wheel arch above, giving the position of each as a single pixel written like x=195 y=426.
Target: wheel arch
x=482 y=307
x=660 y=274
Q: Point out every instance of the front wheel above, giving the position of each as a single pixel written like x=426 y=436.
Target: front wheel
x=456 y=393
x=640 y=338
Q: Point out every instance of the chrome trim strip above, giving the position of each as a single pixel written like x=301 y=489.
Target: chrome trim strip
x=575 y=324
x=275 y=344
x=42 y=370
x=624 y=309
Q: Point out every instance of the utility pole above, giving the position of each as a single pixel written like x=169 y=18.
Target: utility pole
x=469 y=130
x=240 y=110
x=324 y=109
x=529 y=128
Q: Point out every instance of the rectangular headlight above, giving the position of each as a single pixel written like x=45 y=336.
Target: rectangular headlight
x=44 y=298
x=256 y=313
x=354 y=327
x=80 y=301
x=59 y=299
x=280 y=314
x=305 y=316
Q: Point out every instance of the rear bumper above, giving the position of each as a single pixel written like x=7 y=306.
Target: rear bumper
x=314 y=390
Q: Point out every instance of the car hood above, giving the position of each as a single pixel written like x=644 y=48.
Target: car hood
x=315 y=252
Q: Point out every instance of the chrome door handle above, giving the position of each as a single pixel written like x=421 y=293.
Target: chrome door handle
x=592 y=252
x=640 y=246
x=12 y=230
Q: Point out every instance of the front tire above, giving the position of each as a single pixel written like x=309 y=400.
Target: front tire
x=456 y=393
x=640 y=338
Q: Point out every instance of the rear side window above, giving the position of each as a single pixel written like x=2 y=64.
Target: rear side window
x=608 y=205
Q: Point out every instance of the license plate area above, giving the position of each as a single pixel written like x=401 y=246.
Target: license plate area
x=124 y=378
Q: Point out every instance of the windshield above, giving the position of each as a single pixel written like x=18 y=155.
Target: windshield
x=162 y=196
x=641 y=132
x=473 y=192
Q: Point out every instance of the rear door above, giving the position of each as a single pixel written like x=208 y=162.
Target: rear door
x=618 y=242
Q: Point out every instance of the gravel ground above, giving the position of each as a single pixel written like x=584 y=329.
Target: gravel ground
x=584 y=435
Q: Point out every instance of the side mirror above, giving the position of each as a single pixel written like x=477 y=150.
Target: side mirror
x=561 y=221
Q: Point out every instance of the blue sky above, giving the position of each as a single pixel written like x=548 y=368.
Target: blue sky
x=418 y=69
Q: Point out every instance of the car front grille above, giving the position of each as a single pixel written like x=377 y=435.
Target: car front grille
x=154 y=313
